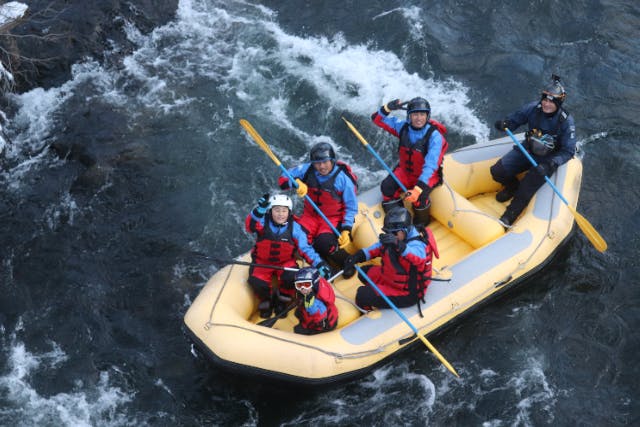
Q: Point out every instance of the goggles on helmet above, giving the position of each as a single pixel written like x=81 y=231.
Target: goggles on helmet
x=394 y=230
x=326 y=159
x=303 y=285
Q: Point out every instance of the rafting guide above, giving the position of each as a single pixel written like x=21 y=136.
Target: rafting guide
x=550 y=141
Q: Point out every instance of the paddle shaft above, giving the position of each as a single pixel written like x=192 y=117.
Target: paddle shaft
x=408 y=322
x=255 y=264
x=272 y=320
x=368 y=279
x=535 y=164
x=592 y=235
x=247 y=126
x=375 y=154
x=388 y=301
x=262 y=144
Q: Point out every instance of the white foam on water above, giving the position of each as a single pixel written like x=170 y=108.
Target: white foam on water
x=36 y=108
x=12 y=10
x=528 y=395
x=65 y=212
x=592 y=138
x=6 y=82
x=38 y=112
x=86 y=405
x=359 y=79
x=414 y=17
x=278 y=107
x=162 y=385
x=247 y=56
x=382 y=399
x=535 y=393
x=254 y=60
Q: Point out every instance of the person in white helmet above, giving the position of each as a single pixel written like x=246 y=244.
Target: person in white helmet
x=279 y=236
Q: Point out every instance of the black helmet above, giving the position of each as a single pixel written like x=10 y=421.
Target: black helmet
x=418 y=104
x=555 y=91
x=321 y=152
x=307 y=275
x=396 y=219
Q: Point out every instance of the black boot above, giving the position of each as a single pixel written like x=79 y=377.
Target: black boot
x=390 y=204
x=502 y=176
x=508 y=217
x=506 y=194
x=421 y=215
x=265 y=309
x=282 y=303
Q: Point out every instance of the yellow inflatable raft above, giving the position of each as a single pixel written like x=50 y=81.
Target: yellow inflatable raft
x=476 y=253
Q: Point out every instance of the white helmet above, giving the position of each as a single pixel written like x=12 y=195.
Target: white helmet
x=280 y=200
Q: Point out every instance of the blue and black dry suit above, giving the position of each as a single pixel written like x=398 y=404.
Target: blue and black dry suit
x=550 y=140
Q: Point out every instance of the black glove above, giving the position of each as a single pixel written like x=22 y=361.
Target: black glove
x=324 y=270
x=502 y=124
x=545 y=169
x=349 y=264
x=394 y=105
x=263 y=205
x=423 y=198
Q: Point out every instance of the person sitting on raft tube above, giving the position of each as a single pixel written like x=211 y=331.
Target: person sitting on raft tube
x=279 y=236
x=420 y=153
x=331 y=185
x=550 y=140
x=316 y=309
x=405 y=270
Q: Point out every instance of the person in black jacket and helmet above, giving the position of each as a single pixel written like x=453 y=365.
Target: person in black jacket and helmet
x=550 y=140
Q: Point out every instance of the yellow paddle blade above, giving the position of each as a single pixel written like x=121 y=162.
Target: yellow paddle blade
x=355 y=132
x=594 y=237
x=258 y=139
x=438 y=355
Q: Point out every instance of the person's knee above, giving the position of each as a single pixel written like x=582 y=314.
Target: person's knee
x=325 y=244
x=498 y=172
x=260 y=287
x=388 y=187
x=365 y=297
x=531 y=182
x=287 y=278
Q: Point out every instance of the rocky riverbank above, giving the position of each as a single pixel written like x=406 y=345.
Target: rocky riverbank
x=40 y=50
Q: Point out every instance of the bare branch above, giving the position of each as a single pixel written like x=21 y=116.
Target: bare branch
x=11 y=57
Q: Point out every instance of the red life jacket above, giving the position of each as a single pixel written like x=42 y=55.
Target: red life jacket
x=318 y=321
x=271 y=248
x=406 y=277
x=325 y=194
x=411 y=156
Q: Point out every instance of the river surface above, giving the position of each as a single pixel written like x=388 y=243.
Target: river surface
x=100 y=236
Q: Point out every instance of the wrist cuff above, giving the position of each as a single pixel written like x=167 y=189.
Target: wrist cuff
x=422 y=185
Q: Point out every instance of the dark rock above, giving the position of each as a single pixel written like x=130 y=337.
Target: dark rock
x=66 y=32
